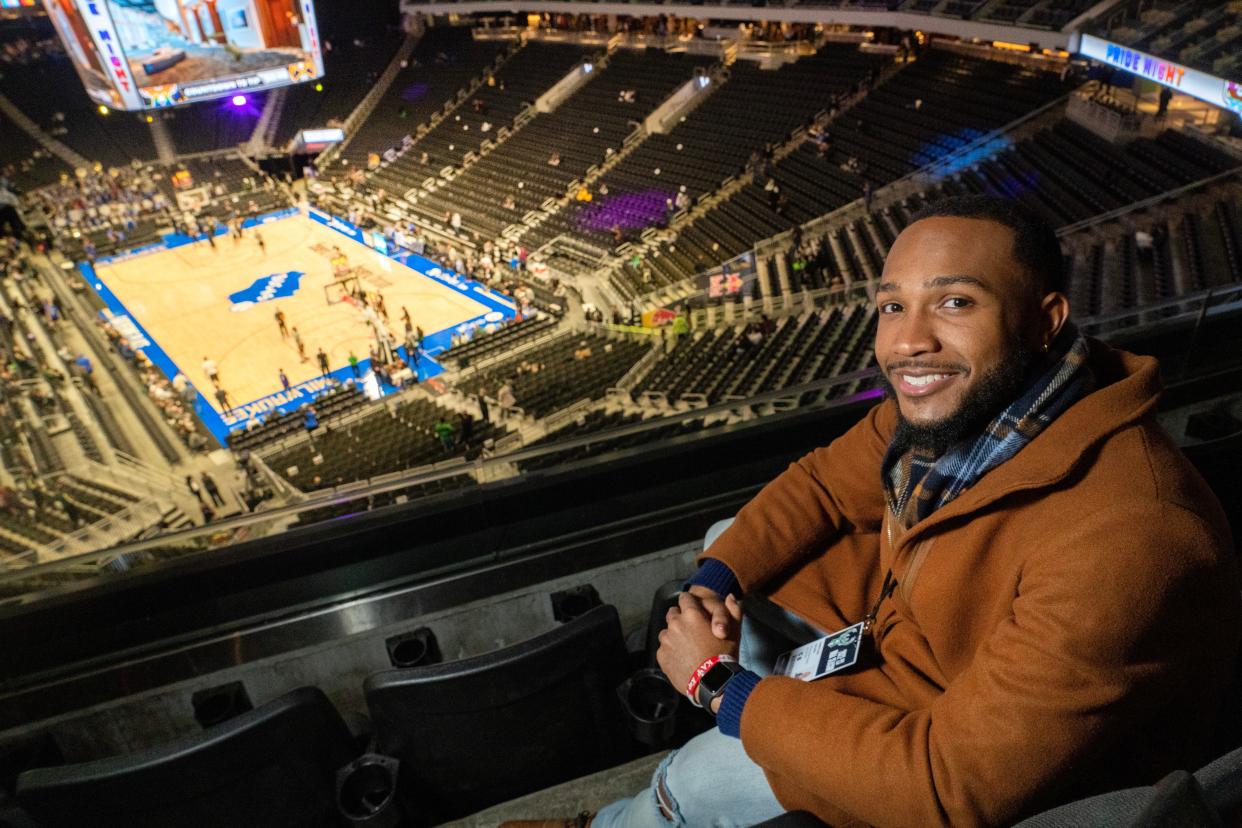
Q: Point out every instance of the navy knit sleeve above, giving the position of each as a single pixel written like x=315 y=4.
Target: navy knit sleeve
x=717 y=577
x=736 y=692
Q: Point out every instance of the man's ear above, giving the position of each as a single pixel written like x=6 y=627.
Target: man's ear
x=1054 y=312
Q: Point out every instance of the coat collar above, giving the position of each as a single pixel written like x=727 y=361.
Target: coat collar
x=1128 y=389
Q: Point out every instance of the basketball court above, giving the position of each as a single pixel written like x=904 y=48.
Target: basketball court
x=182 y=300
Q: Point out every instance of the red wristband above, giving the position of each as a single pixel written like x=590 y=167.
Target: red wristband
x=692 y=685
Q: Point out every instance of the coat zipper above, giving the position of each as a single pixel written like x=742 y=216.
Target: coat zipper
x=921 y=549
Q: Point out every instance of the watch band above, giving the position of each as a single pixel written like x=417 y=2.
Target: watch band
x=708 y=690
x=692 y=685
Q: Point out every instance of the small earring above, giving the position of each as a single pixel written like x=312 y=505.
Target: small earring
x=1045 y=347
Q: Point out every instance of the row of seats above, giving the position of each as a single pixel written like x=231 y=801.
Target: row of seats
x=1155 y=258
x=484 y=344
x=1043 y=14
x=517 y=83
x=1203 y=34
x=445 y=61
x=245 y=192
x=332 y=404
x=720 y=364
x=388 y=439
x=49 y=92
x=445 y=740
x=56 y=507
x=1056 y=174
x=26 y=164
x=567 y=369
x=359 y=40
x=580 y=132
x=751 y=110
x=882 y=138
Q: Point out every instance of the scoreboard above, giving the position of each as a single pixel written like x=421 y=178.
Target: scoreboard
x=146 y=54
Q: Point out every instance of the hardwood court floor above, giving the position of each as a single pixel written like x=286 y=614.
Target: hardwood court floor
x=181 y=297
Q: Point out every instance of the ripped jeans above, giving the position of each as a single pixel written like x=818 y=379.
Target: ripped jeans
x=711 y=782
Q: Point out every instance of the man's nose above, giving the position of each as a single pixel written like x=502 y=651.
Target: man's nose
x=915 y=334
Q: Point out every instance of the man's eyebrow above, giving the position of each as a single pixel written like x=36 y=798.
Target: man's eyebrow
x=960 y=279
x=938 y=282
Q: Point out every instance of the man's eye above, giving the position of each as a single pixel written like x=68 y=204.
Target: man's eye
x=889 y=307
x=958 y=302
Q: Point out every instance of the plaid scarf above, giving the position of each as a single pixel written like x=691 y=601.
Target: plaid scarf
x=917 y=484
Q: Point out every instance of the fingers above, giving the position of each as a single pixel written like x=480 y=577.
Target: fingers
x=722 y=622
x=734 y=607
x=688 y=603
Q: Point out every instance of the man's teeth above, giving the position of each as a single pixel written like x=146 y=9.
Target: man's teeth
x=924 y=380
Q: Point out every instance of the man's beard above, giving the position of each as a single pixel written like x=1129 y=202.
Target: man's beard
x=994 y=391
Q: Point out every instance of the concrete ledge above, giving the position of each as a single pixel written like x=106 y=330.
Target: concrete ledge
x=564 y=801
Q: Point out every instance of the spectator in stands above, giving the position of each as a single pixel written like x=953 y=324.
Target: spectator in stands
x=195 y=488
x=213 y=491
x=84 y=368
x=71 y=510
x=1023 y=547
x=465 y=429
x=554 y=160
x=1162 y=109
x=444 y=433
x=774 y=193
x=506 y=398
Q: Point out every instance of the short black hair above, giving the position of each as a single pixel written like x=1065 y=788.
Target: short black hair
x=1035 y=243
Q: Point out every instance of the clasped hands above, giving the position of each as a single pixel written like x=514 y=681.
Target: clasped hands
x=702 y=625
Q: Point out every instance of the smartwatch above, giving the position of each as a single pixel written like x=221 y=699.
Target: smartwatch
x=712 y=685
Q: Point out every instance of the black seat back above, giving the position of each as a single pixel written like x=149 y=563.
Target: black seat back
x=482 y=730
x=269 y=767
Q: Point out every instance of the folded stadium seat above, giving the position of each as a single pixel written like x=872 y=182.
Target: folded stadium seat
x=269 y=767
x=1212 y=796
x=482 y=730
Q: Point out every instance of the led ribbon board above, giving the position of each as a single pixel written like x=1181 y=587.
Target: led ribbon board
x=1205 y=87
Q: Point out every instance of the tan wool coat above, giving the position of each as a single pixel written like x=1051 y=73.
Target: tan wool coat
x=1064 y=627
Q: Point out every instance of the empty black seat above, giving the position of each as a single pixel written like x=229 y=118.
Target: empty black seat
x=482 y=730
x=269 y=767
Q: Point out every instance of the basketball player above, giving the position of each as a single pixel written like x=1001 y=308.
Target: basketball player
x=301 y=346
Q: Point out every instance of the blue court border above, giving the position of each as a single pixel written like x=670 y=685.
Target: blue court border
x=499 y=308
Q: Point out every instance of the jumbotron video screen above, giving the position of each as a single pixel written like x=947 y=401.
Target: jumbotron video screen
x=147 y=54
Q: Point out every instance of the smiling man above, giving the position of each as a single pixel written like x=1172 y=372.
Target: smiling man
x=1043 y=588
